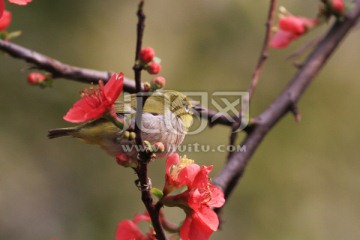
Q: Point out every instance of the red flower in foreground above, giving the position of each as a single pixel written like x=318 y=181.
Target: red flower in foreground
x=96 y=102
x=201 y=197
x=128 y=230
x=18 y=2
x=197 y=201
x=5 y=20
x=291 y=27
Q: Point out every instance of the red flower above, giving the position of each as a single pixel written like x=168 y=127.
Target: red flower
x=179 y=172
x=154 y=68
x=96 y=102
x=197 y=201
x=35 y=78
x=291 y=27
x=18 y=2
x=147 y=54
x=128 y=230
x=5 y=20
x=201 y=197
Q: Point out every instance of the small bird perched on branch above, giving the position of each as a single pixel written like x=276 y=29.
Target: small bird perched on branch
x=166 y=118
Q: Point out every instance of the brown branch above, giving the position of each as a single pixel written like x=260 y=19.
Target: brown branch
x=62 y=70
x=234 y=169
x=144 y=156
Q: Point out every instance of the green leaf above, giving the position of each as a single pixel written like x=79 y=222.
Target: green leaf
x=157 y=193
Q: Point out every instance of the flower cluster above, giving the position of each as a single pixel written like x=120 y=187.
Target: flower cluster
x=149 y=61
x=197 y=201
x=95 y=103
x=292 y=27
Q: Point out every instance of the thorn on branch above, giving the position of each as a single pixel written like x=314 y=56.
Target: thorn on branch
x=295 y=111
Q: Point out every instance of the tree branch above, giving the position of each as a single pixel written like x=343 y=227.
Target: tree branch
x=62 y=70
x=234 y=169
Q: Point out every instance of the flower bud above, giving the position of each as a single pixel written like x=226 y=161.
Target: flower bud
x=5 y=20
x=147 y=54
x=337 y=6
x=147 y=87
x=159 y=147
x=154 y=68
x=159 y=82
x=36 y=78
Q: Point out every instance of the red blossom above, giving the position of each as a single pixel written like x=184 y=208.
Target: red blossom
x=198 y=200
x=201 y=197
x=147 y=54
x=291 y=27
x=154 y=68
x=35 y=78
x=96 y=102
x=5 y=20
x=129 y=230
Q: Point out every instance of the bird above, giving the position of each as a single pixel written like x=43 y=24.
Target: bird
x=166 y=118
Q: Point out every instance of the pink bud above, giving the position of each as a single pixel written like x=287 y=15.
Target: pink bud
x=154 y=68
x=337 y=6
x=159 y=81
x=159 y=147
x=35 y=78
x=147 y=54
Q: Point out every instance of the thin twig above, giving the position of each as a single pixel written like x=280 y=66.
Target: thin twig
x=144 y=156
x=234 y=168
x=256 y=74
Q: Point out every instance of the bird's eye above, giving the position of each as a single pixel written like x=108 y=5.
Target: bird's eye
x=187 y=108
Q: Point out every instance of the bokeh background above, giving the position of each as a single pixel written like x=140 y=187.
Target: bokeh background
x=302 y=183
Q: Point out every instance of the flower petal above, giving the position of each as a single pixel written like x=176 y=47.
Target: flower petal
x=20 y=2
x=85 y=109
x=188 y=174
x=281 y=39
x=217 y=197
x=128 y=230
x=173 y=159
x=194 y=229
x=114 y=87
x=2 y=7
x=208 y=217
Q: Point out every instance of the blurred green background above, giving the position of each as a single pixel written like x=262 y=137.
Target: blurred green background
x=302 y=183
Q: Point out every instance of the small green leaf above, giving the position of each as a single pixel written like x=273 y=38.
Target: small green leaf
x=157 y=193
x=15 y=34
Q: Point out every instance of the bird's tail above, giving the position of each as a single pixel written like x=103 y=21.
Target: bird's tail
x=61 y=132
